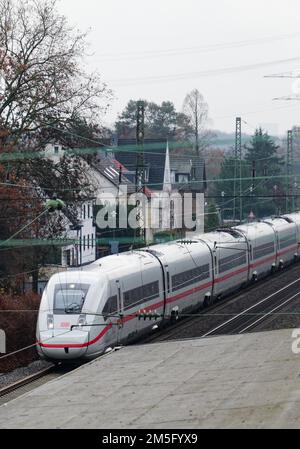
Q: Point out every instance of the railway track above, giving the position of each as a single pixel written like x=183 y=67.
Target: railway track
x=244 y=311
x=26 y=384
x=253 y=316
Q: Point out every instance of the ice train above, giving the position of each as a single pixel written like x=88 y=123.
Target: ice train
x=84 y=312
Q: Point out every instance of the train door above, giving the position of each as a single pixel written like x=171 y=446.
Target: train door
x=216 y=285
x=166 y=286
x=201 y=257
x=152 y=296
x=277 y=247
x=249 y=256
x=130 y=293
x=112 y=315
x=120 y=320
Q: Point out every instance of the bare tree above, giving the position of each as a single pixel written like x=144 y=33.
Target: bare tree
x=43 y=88
x=195 y=107
x=42 y=80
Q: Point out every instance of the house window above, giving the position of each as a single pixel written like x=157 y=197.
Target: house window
x=88 y=215
x=84 y=211
x=183 y=178
x=84 y=243
x=56 y=149
x=67 y=257
x=88 y=241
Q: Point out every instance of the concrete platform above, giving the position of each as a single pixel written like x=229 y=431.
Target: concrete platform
x=237 y=381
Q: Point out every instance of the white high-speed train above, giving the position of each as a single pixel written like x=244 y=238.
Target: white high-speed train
x=82 y=313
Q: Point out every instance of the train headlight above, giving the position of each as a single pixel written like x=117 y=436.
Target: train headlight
x=82 y=320
x=50 y=321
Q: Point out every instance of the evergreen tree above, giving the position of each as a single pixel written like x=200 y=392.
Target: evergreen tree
x=262 y=156
x=161 y=121
x=264 y=152
x=261 y=196
x=211 y=221
x=227 y=189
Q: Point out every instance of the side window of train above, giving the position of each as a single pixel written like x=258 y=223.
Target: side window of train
x=288 y=240
x=229 y=262
x=263 y=250
x=189 y=277
x=141 y=294
x=111 y=307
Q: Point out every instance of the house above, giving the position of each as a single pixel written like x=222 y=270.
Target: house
x=78 y=224
x=168 y=175
x=110 y=180
x=80 y=229
x=165 y=172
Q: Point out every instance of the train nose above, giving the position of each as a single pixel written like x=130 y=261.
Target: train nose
x=62 y=345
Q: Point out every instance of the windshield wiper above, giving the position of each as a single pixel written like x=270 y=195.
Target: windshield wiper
x=72 y=308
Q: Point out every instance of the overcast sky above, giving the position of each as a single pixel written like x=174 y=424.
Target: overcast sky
x=161 y=49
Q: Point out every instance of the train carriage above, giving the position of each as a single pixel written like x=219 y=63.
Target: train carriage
x=188 y=270
x=84 y=312
x=262 y=248
x=231 y=260
x=286 y=239
x=295 y=218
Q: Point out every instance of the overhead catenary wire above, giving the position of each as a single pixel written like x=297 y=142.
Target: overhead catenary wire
x=212 y=180
x=195 y=49
x=120 y=82
x=23 y=228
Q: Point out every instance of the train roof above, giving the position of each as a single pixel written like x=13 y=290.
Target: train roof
x=222 y=236
x=255 y=229
x=280 y=222
x=123 y=260
x=295 y=217
x=178 y=246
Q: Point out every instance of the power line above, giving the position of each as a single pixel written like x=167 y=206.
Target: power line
x=23 y=228
x=195 y=49
x=190 y=75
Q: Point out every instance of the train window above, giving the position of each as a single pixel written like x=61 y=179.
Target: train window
x=226 y=263
x=262 y=250
x=141 y=294
x=69 y=298
x=287 y=241
x=189 y=277
x=111 y=307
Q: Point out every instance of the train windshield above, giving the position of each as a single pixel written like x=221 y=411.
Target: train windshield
x=69 y=298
